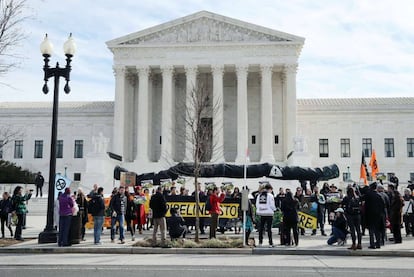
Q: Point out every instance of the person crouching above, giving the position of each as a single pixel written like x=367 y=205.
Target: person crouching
x=339 y=230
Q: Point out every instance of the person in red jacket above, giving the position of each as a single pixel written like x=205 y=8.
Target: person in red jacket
x=215 y=211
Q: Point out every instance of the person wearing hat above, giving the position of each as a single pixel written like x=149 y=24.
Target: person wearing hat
x=339 y=228
x=65 y=217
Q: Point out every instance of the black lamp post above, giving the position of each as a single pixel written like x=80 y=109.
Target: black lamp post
x=49 y=234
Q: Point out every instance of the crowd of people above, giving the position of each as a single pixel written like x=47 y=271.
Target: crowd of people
x=373 y=208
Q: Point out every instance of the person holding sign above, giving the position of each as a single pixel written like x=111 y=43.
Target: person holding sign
x=215 y=210
x=339 y=230
x=265 y=208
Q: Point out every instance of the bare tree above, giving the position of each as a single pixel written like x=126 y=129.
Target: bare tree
x=198 y=116
x=8 y=134
x=12 y=14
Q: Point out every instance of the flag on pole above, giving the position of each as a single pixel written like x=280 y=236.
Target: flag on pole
x=364 y=170
x=374 y=165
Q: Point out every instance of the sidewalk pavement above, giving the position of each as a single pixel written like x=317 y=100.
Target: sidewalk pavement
x=308 y=245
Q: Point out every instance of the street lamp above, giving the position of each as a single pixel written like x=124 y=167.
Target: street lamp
x=49 y=234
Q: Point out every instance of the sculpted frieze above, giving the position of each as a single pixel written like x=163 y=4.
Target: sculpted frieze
x=204 y=30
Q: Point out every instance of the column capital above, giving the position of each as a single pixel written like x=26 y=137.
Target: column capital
x=290 y=68
x=242 y=70
x=217 y=69
x=132 y=78
x=119 y=70
x=143 y=70
x=167 y=69
x=266 y=68
x=191 y=69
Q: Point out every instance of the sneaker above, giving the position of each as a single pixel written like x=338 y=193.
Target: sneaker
x=122 y=242
x=133 y=238
x=98 y=243
x=112 y=240
x=271 y=246
x=260 y=245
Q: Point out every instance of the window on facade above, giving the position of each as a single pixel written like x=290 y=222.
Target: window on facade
x=78 y=149
x=59 y=149
x=389 y=147
x=367 y=146
x=38 y=149
x=345 y=148
x=323 y=148
x=412 y=176
x=76 y=177
x=410 y=147
x=253 y=139
x=18 y=149
x=276 y=139
x=1 y=149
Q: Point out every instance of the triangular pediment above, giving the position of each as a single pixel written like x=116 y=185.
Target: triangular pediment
x=204 y=27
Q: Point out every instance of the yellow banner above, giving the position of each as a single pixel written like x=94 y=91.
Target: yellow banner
x=188 y=209
x=307 y=221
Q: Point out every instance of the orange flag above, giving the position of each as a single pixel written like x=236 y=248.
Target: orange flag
x=364 y=170
x=374 y=165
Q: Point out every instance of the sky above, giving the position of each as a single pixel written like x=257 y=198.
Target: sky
x=353 y=48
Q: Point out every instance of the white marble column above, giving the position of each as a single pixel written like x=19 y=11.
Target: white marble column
x=118 y=142
x=218 y=139
x=143 y=115
x=242 y=112
x=266 y=115
x=191 y=76
x=167 y=114
x=289 y=89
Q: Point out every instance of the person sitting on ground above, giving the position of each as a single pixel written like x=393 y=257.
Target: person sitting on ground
x=176 y=225
x=339 y=228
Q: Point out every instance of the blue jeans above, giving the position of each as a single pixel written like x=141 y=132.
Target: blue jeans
x=97 y=228
x=64 y=228
x=336 y=234
x=120 y=219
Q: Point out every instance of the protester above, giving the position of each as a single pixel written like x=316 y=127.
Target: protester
x=139 y=208
x=396 y=214
x=147 y=210
x=215 y=211
x=130 y=214
x=118 y=206
x=19 y=208
x=408 y=216
x=83 y=210
x=374 y=211
x=97 y=209
x=176 y=225
x=290 y=206
x=5 y=213
x=158 y=205
x=339 y=230
x=352 y=206
x=320 y=201
x=385 y=216
x=66 y=204
x=301 y=200
x=93 y=191
x=265 y=208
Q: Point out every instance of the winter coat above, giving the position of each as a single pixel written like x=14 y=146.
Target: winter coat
x=19 y=203
x=5 y=207
x=158 y=205
x=289 y=209
x=265 y=204
x=65 y=205
x=215 y=203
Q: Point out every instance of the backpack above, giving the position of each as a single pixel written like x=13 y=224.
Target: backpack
x=208 y=204
x=353 y=206
x=93 y=206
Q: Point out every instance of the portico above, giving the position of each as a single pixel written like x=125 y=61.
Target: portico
x=249 y=71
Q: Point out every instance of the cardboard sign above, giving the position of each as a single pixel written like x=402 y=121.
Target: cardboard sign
x=128 y=179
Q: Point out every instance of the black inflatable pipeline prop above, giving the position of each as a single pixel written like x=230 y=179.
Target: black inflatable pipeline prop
x=237 y=171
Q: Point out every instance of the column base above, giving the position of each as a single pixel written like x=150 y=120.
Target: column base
x=268 y=159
